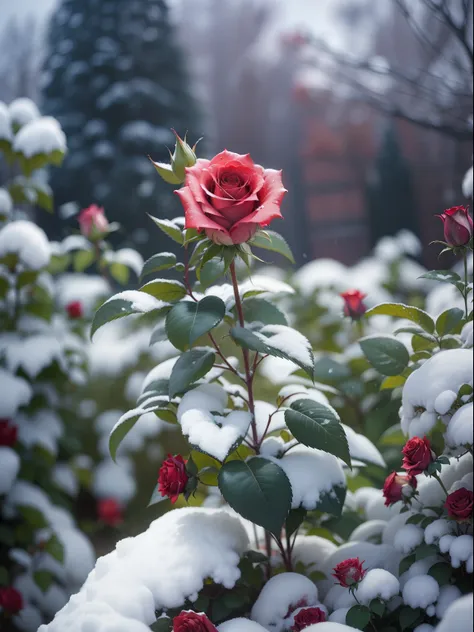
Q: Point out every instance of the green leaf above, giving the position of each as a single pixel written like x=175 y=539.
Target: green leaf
x=261 y=310
x=408 y=617
x=425 y=550
x=417 y=518
x=43 y=579
x=406 y=563
x=191 y=366
x=33 y=516
x=169 y=228
x=328 y=370
x=187 y=321
x=258 y=490
x=378 y=607
x=162 y=625
x=294 y=520
x=121 y=429
x=358 y=617
x=120 y=272
x=395 y=381
x=55 y=548
x=113 y=309
x=165 y=290
x=449 y=321
x=156 y=497
x=442 y=572
x=318 y=426
x=399 y=310
x=210 y=272
x=420 y=343
x=270 y=240
x=4 y=577
x=387 y=355
x=250 y=340
x=82 y=259
x=443 y=276
x=162 y=261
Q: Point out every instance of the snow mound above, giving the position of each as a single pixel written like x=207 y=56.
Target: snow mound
x=460 y=427
x=377 y=583
x=9 y=468
x=23 y=111
x=459 y=616
x=40 y=136
x=420 y=591
x=27 y=241
x=240 y=625
x=14 y=393
x=6 y=203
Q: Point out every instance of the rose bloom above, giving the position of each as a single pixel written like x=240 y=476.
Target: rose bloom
x=349 y=572
x=307 y=617
x=230 y=197
x=459 y=504
x=110 y=512
x=417 y=455
x=354 y=306
x=393 y=487
x=11 y=600
x=74 y=309
x=188 y=621
x=92 y=222
x=8 y=433
x=173 y=477
x=458 y=226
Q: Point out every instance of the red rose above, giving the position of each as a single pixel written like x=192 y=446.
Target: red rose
x=459 y=504
x=349 y=572
x=188 y=621
x=307 y=617
x=173 y=477
x=458 y=226
x=354 y=306
x=93 y=223
x=11 y=600
x=230 y=196
x=110 y=512
x=393 y=487
x=8 y=433
x=74 y=309
x=417 y=455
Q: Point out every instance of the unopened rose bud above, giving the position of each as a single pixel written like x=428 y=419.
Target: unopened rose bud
x=74 y=309
x=354 y=306
x=93 y=223
x=397 y=487
x=458 y=226
x=182 y=157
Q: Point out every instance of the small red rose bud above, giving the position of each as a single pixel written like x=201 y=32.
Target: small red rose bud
x=349 y=573
x=417 y=455
x=8 y=433
x=173 y=477
x=395 y=486
x=11 y=600
x=188 y=621
x=460 y=504
x=458 y=226
x=93 y=223
x=74 y=309
x=354 y=306
x=306 y=617
x=109 y=512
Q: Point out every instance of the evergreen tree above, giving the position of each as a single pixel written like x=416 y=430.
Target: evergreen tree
x=116 y=81
x=390 y=191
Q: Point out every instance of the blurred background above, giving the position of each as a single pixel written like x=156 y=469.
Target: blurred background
x=366 y=106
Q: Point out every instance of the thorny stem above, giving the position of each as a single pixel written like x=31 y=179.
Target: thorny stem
x=228 y=365
x=187 y=284
x=436 y=476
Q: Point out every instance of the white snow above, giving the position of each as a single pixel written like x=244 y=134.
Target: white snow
x=9 y=468
x=467 y=183
x=240 y=625
x=458 y=616
x=113 y=481
x=460 y=427
x=14 y=393
x=377 y=583
x=5 y=124
x=199 y=414
x=288 y=341
x=444 y=401
x=312 y=551
x=264 y=285
x=22 y=111
x=27 y=241
x=127 y=585
x=467 y=335
x=362 y=448
x=408 y=538
x=141 y=302
x=437 y=529
x=420 y=591
x=64 y=478
x=368 y=531
x=40 y=136
x=33 y=354
x=263 y=410
x=128 y=257
x=460 y=550
x=6 y=203
x=447 y=595
x=445 y=371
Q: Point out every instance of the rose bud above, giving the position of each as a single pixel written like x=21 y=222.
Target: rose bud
x=182 y=157
x=306 y=617
x=74 y=309
x=354 y=306
x=394 y=488
x=93 y=223
x=173 y=477
x=109 y=512
x=230 y=197
x=188 y=621
x=11 y=600
x=459 y=504
x=417 y=455
x=8 y=433
x=458 y=226
x=349 y=573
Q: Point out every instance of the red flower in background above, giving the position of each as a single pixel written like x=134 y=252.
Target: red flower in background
x=110 y=512
x=74 y=309
x=229 y=197
x=8 y=433
x=460 y=504
x=188 y=621
x=173 y=477
x=417 y=455
x=11 y=600
x=349 y=572
x=354 y=306
x=307 y=617
x=458 y=226
x=393 y=487
x=93 y=223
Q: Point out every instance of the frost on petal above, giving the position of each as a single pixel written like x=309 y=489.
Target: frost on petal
x=377 y=583
x=27 y=241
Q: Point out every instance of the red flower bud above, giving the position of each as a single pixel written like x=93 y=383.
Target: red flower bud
x=173 y=477
x=109 y=512
x=458 y=226
x=74 y=309
x=8 y=433
x=459 y=504
x=349 y=572
x=11 y=600
x=307 y=617
x=354 y=306
x=93 y=223
x=417 y=455
x=393 y=487
x=188 y=621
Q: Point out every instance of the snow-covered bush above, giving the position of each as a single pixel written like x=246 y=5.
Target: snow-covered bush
x=301 y=527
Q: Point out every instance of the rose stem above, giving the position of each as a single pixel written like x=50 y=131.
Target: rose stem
x=465 y=293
